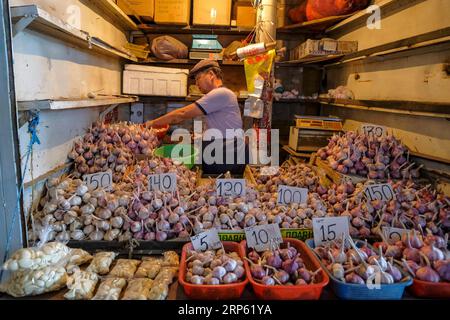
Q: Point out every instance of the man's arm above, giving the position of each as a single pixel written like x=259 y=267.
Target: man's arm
x=177 y=116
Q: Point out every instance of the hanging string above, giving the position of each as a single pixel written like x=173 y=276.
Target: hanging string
x=32 y=130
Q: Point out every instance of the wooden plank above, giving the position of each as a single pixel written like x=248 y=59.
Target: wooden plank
x=73 y=103
x=152 y=60
x=335 y=176
x=113 y=10
x=163 y=29
x=314 y=25
x=47 y=174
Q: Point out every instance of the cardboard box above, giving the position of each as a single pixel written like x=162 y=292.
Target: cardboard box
x=245 y=16
x=143 y=8
x=213 y=12
x=173 y=11
x=323 y=47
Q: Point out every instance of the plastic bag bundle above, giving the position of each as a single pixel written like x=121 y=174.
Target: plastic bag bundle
x=168 y=48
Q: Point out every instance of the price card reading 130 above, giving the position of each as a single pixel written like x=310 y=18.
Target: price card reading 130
x=288 y=195
x=230 y=187
x=206 y=240
x=263 y=237
x=373 y=130
x=166 y=182
x=99 y=180
x=329 y=229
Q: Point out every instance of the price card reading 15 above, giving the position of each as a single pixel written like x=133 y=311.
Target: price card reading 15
x=206 y=240
x=230 y=187
x=163 y=182
x=263 y=237
x=99 y=180
x=288 y=195
x=329 y=229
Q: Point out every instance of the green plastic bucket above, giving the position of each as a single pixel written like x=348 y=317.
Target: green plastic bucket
x=185 y=153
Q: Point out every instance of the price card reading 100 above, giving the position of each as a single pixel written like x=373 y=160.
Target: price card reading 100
x=373 y=130
x=230 y=187
x=166 y=182
x=288 y=195
x=206 y=240
x=263 y=237
x=99 y=180
x=329 y=229
x=382 y=191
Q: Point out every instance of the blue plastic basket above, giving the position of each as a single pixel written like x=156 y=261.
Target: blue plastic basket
x=352 y=291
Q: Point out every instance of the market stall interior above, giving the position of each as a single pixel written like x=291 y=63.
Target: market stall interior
x=347 y=99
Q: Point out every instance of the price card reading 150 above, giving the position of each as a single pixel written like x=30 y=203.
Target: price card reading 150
x=288 y=195
x=206 y=240
x=329 y=229
x=382 y=191
x=99 y=180
x=373 y=130
x=163 y=182
x=230 y=187
x=263 y=237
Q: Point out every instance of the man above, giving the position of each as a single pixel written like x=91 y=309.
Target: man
x=220 y=107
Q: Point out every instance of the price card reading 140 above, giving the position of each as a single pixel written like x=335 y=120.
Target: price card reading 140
x=329 y=229
x=163 y=182
x=263 y=237
x=394 y=234
x=382 y=191
x=288 y=195
x=207 y=240
x=99 y=180
x=230 y=187
x=373 y=130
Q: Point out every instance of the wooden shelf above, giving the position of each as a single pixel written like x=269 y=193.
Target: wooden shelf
x=412 y=108
x=162 y=29
x=165 y=98
x=34 y=18
x=315 y=26
x=188 y=62
x=310 y=60
x=287 y=101
x=113 y=11
x=73 y=103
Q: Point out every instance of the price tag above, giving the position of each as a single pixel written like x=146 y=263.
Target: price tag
x=288 y=195
x=206 y=240
x=382 y=191
x=394 y=234
x=99 y=180
x=230 y=187
x=329 y=229
x=263 y=237
x=373 y=130
x=163 y=182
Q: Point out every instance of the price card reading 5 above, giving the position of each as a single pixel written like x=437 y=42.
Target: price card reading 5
x=382 y=191
x=329 y=229
x=230 y=187
x=263 y=237
x=206 y=240
x=99 y=180
x=288 y=195
x=163 y=182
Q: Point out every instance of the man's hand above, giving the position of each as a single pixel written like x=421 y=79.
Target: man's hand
x=149 y=124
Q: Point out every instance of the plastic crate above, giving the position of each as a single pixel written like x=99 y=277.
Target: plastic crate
x=294 y=292
x=352 y=291
x=211 y=292
x=424 y=289
x=187 y=159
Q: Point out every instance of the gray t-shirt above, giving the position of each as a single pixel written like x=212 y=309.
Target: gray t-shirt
x=221 y=109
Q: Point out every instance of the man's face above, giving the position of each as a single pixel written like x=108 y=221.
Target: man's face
x=204 y=81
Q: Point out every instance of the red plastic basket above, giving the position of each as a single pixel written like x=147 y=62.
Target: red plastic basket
x=211 y=292
x=295 y=292
x=426 y=289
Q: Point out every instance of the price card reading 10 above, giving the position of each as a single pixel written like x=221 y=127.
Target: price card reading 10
x=263 y=237
x=206 y=240
x=166 y=182
x=329 y=229
x=230 y=187
x=99 y=180
x=288 y=195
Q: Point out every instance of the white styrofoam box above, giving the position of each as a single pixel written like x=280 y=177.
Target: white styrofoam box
x=155 y=81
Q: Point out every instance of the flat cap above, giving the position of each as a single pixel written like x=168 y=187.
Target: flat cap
x=201 y=66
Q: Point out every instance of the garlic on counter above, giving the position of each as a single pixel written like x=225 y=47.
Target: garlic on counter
x=81 y=285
